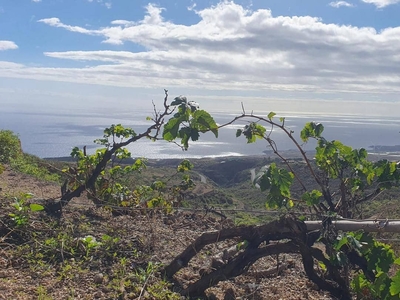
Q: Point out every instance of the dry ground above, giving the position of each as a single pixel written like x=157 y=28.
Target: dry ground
x=29 y=271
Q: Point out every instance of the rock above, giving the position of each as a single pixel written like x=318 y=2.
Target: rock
x=98 y=278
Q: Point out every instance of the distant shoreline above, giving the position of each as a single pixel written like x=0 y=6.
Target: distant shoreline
x=290 y=154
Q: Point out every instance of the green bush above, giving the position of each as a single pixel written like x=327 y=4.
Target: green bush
x=33 y=165
x=10 y=146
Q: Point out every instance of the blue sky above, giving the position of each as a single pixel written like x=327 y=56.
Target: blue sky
x=289 y=56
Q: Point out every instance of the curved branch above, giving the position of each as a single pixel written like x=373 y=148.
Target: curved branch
x=237 y=266
x=253 y=234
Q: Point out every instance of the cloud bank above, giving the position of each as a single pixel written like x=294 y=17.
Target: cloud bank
x=231 y=48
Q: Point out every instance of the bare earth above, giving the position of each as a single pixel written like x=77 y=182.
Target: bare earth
x=154 y=238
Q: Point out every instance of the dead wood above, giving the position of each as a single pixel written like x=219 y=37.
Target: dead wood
x=236 y=267
x=233 y=261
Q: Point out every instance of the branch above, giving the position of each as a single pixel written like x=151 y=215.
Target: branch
x=237 y=266
x=55 y=208
x=326 y=194
x=275 y=230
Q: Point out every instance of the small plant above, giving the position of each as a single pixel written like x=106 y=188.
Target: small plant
x=22 y=209
x=90 y=244
x=70 y=270
x=157 y=289
x=110 y=245
x=42 y=293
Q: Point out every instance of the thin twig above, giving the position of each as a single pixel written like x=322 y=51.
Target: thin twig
x=144 y=285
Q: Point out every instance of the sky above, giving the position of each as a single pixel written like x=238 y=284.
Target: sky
x=313 y=56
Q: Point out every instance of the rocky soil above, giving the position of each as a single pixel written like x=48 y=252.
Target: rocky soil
x=47 y=259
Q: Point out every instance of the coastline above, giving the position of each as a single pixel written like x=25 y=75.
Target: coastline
x=289 y=154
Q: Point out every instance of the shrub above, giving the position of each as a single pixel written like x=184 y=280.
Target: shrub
x=10 y=146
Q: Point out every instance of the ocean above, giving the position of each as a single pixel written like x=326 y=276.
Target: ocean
x=55 y=134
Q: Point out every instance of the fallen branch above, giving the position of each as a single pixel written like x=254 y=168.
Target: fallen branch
x=237 y=266
x=235 y=261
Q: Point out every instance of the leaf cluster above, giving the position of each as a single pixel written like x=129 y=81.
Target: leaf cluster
x=188 y=122
x=278 y=182
x=379 y=257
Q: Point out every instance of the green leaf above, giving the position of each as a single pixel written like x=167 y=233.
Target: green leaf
x=341 y=241
x=171 y=129
x=395 y=285
x=36 y=207
x=311 y=129
x=271 y=115
x=238 y=132
x=253 y=131
x=184 y=135
x=203 y=122
x=264 y=182
x=179 y=100
x=319 y=128
x=312 y=198
x=353 y=242
x=194 y=134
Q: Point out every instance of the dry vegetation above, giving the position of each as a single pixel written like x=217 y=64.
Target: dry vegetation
x=48 y=259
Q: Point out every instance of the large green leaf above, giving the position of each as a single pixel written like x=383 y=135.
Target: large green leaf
x=395 y=285
x=36 y=207
x=171 y=129
x=203 y=121
x=264 y=182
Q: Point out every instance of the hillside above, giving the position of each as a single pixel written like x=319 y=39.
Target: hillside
x=50 y=259
x=95 y=253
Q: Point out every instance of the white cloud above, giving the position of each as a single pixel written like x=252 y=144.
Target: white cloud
x=36 y=1
x=107 y=4
x=55 y=22
x=123 y=22
x=233 y=48
x=338 y=4
x=381 y=3
x=7 y=45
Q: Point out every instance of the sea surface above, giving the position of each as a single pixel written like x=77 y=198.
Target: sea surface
x=55 y=134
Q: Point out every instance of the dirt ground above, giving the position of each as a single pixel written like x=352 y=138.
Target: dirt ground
x=152 y=238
